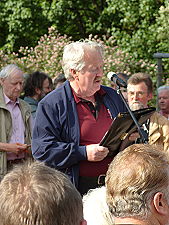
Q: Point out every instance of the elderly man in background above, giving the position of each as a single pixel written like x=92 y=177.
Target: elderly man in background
x=163 y=100
x=137 y=185
x=140 y=91
x=15 y=119
x=72 y=120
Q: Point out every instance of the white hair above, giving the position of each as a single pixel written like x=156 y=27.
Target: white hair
x=162 y=88
x=73 y=55
x=8 y=70
x=95 y=208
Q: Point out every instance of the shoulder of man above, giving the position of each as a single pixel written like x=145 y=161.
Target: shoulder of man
x=157 y=117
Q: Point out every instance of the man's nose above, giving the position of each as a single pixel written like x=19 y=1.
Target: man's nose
x=135 y=96
x=100 y=72
x=19 y=86
x=161 y=100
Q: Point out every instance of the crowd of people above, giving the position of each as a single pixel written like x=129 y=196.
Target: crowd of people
x=51 y=159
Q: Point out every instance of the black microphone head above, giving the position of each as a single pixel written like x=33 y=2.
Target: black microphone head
x=117 y=80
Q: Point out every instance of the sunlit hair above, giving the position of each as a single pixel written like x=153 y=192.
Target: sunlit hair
x=163 y=88
x=34 y=194
x=8 y=70
x=73 y=55
x=95 y=208
x=134 y=177
x=137 y=78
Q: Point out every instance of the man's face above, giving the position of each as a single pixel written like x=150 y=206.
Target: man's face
x=163 y=99
x=138 y=96
x=13 y=85
x=89 y=78
x=46 y=88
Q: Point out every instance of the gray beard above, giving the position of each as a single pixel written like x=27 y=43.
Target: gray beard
x=136 y=106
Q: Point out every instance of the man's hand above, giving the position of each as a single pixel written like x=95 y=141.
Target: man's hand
x=13 y=147
x=134 y=136
x=96 y=153
x=129 y=140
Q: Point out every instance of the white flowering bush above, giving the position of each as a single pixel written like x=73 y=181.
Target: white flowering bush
x=47 y=54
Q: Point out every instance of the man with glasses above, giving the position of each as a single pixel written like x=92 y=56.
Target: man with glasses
x=140 y=92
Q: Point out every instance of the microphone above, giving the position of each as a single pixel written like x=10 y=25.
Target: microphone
x=117 y=80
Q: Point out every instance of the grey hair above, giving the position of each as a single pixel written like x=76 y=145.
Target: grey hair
x=8 y=70
x=162 y=88
x=95 y=208
x=73 y=55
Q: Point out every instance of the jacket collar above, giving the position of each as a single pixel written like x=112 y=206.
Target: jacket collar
x=2 y=101
x=69 y=90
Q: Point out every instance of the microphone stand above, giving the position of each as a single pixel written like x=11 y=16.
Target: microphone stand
x=143 y=134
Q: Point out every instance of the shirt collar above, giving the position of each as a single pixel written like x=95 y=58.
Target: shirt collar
x=100 y=92
x=8 y=100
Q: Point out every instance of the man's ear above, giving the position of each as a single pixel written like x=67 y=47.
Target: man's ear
x=1 y=81
x=150 y=96
x=160 y=203
x=74 y=73
x=38 y=91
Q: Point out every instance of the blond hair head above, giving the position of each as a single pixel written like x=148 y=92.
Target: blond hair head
x=134 y=177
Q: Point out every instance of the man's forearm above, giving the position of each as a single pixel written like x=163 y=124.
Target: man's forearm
x=3 y=147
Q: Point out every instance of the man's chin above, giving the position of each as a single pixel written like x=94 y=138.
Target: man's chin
x=97 y=84
x=14 y=97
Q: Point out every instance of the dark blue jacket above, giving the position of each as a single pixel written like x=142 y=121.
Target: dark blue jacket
x=56 y=132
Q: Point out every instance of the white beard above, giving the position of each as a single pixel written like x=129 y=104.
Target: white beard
x=136 y=106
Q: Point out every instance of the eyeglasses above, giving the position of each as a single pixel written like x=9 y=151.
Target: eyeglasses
x=139 y=94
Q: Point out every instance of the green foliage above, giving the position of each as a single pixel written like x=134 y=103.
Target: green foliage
x=21 y=23
x=140 y=27
x=162 y=28
x=134 y=26
x=132 y=30
x=162 y=33
x=77 y=18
